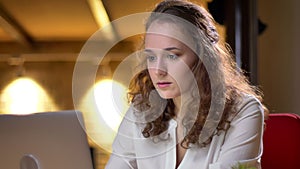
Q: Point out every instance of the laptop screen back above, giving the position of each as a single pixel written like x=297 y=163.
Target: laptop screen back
x=52 y=140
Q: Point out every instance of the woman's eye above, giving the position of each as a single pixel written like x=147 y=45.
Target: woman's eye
x=172 y=56
x=151 y=58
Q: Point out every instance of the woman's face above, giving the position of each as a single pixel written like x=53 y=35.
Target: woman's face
x=169 y=61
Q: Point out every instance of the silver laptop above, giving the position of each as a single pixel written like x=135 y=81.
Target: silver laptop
x=49 y=140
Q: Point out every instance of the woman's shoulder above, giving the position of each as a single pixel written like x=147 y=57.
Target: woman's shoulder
x=248 y=100
x=249 y=105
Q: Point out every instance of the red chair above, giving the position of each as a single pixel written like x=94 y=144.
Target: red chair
x=281 y=142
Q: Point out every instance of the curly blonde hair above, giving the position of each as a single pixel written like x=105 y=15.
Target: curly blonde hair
x=223 y=69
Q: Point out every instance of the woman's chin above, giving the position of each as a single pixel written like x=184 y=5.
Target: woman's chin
x=167 y=94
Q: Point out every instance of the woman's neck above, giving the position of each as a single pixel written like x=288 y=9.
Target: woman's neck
x=177 y=103
x=180 y=105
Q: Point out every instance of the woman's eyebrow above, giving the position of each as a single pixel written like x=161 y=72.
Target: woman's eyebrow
x=166 y=49
x=171 y=48
x=148 y=50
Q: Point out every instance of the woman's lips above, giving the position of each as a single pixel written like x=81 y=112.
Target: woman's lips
x=163 y=84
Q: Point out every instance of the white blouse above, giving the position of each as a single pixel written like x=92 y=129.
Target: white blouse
x=241 y=144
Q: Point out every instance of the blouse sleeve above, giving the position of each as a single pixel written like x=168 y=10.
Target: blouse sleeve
x=243 y=140
x=123 y=155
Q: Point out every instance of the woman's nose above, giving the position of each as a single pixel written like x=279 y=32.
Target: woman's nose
x=161 y=67
x=160 y=72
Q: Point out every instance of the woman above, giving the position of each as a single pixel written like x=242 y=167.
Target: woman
x=191 y=107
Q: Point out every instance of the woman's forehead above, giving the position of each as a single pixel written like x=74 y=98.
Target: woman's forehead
x=167 y=32
x=158 y=41
x=165 y=28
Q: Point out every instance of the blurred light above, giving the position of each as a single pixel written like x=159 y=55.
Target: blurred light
x=24 y=96
x=110 y=98
x=99 y=12
x=101 y=18
x=104 y=106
